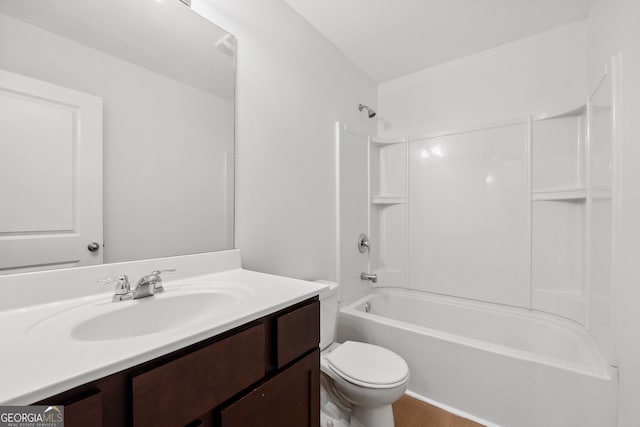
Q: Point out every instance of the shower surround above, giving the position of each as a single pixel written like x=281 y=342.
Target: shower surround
x=513 y=215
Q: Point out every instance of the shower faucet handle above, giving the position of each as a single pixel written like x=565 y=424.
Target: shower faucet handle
x=363 y=243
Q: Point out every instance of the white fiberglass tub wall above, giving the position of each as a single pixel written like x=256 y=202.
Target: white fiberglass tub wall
x=507 y=366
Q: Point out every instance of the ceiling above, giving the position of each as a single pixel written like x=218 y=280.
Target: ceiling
x=392 y=38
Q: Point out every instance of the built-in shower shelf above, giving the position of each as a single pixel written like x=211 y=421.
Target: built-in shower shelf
x=560 y=194
x=576 y=112
x=388 y=200
x=387 y=141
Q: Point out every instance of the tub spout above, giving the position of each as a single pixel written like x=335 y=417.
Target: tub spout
x=373 y=278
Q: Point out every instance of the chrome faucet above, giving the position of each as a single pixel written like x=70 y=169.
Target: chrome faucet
x=373 y=278
x=150 y=284
x=146 y=286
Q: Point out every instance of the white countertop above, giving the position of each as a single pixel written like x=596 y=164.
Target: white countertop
x=34 y=366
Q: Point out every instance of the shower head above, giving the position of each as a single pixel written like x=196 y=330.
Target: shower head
x=370 y=112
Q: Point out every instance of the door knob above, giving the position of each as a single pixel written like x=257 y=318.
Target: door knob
x=93 y=246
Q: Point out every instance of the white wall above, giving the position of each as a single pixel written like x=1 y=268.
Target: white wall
x=613 y=27
x=292 y=85
x=163 y=175
x=541 y=73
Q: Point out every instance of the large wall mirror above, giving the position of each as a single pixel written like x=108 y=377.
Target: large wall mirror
x=116 y=132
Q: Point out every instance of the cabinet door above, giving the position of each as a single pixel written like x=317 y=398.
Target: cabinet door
x=290 y=399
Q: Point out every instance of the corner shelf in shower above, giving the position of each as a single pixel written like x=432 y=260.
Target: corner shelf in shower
x=388 y=200
x=559 y=216
x=575 y=112
x=560 y=194
x=387 y=141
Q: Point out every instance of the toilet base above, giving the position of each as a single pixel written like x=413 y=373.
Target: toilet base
x=381 y=416
x=328 y=421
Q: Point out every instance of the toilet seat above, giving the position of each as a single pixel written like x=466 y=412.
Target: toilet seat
x=368 y=365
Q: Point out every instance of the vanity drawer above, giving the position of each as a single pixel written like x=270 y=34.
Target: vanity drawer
x=179 y=391
x=290 y=399
x=298 y=331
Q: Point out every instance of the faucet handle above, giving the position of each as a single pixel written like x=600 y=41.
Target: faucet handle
x=123 y=289
x=157 y=283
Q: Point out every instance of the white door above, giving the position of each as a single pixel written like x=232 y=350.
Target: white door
x=50 y=175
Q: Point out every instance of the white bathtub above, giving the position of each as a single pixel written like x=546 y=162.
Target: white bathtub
x=503 y=366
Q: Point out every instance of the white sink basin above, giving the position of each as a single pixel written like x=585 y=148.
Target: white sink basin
x=151 y=315
x=182 y=306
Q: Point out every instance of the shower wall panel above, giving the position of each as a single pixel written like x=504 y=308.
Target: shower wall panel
x=601 y=309
x=352 y=209
x=388 y=213
x=469 y=216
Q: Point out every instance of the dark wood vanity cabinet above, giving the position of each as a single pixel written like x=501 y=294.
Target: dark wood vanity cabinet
x=265 y=373
x=285 y=400
x=177 y=392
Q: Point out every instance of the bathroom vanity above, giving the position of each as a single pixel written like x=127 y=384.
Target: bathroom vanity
x=265 y=372
x=221 y=346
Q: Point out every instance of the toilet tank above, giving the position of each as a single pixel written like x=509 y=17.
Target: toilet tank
x=328 y=313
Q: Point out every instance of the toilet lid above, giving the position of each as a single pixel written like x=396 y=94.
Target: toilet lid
x=368 y=365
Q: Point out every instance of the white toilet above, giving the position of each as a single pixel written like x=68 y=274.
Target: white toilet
x=366 y=378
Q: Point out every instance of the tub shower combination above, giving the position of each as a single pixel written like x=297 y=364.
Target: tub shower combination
x=491 y=247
